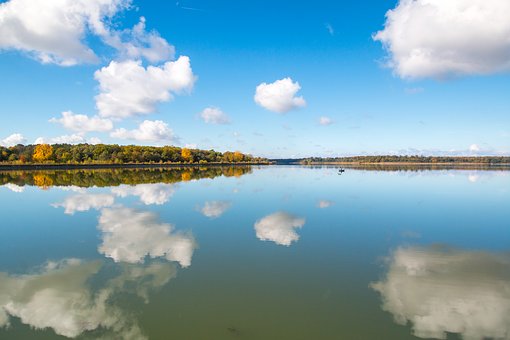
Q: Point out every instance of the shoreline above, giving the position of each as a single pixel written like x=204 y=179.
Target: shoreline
x=12 y=167
x=405 y=163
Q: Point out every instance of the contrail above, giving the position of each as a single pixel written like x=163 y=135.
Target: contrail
x=188 y=8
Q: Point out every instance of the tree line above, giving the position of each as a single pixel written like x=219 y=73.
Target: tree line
x=118 y=154
x=408 y=159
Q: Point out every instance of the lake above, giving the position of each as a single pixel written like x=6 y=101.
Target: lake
x=274 y=252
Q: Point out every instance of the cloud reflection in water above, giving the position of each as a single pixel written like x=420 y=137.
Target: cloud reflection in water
x=444 y=291
x=279 y=228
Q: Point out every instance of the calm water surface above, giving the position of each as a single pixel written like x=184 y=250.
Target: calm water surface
x=277 y=252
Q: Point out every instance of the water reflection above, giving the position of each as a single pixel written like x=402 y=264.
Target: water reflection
x=442 y=291
x=130 y=235
x=279 y=228
x=323 y=204
x=114 y=177
x=215 y=209
x=85 y=202
x=14 y=187
x=156 y=193
x=60 y=296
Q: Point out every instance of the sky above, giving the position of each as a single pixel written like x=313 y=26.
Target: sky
x=273 y=78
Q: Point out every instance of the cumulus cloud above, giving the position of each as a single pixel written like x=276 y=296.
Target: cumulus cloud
x=438 y=38
x=279 y=228
x=214 y=209
x=127 y=88
x=325 y=121
x=448 y=291
x=323 y=204
x=75 y=138
x=158 y=193
x=85 y=202
x=279 y=96
x=137 y=43
x=148 y=131
x=83 y=123
x=54 y=31
x=59 y=296
x=14 y=139
x=474 y=148
x=213 y=115
x=65 y=139
x=130 y=235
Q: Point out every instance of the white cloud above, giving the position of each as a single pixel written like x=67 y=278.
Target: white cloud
x=214 y=209
x=14 y=187
x=213 y=115
x=325 y=121
x=136 y=43
x=148 y=131
x=127 y=88
x=94 y=141
x=12 y=140
x=75 y=138
x=279 y=228
x=323 y=204
x=440 y=292
x=83 y=123
x=279 y=96
x=158 y=193
x=474 y=148
x=438 y=38
x=54 y=31
x=65 y=139
x=130 y=235
x=85 y=202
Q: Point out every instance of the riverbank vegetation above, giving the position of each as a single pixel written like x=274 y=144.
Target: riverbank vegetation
x=488 y=160
x=118 y=154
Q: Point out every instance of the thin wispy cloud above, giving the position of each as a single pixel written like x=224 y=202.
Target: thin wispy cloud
x=325 y=121
x=330 y=29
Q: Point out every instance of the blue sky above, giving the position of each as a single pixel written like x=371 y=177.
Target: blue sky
x=372 y=99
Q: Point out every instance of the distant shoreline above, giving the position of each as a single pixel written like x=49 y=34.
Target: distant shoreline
x=405 y=163
x=4 y=167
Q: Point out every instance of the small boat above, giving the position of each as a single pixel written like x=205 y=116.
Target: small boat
x=341 y=171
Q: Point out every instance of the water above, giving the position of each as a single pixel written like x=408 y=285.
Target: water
x=280 y=252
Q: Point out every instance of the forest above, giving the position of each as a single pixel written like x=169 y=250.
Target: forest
x=118 y=154
x=409 y=159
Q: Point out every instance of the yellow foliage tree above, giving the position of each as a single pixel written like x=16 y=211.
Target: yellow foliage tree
x=238 y=156
x=42 y=152
x=186 y=154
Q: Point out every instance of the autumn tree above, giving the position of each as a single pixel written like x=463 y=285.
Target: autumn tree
x=42 y=152
x=238 y=156
x=186 y=154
